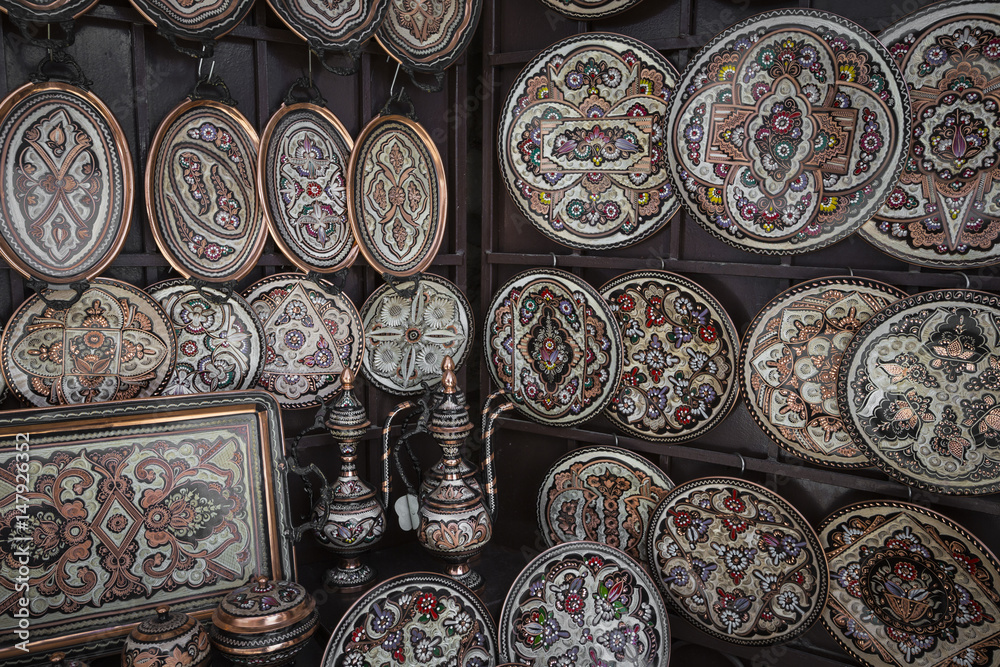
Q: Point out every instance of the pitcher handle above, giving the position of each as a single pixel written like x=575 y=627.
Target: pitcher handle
x=490 y=490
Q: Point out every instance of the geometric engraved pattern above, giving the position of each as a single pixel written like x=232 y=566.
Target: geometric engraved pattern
x=199 y=20
x=46 y=11
x=331 y=24
x=588 y=10
x=428 y=36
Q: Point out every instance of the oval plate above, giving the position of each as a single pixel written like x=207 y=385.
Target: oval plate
x=114 y=343
x=791 y=128
x=332 y=25
x=920 y=382
x=194 y=20
x=407 y=338
x=397 y=197
x=431 y=36
x=583 y=141
x=55 y=11
x=588 y=10
x=68 y=185
x=201 y=193
x=302 y=179
x=737 y=561
x=680 y=357
x=553 y=346
x=909 y=586
x=790 y=359
x=312 y=334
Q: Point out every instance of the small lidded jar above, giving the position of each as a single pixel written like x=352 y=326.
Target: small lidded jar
x=169 y=638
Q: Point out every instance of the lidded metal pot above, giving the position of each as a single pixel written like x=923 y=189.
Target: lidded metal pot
x=169 y=638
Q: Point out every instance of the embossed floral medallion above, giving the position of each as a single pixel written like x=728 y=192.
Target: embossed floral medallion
x=790 y=358
x=588 y=10
x=201 y=193
x=790 y=131
x=312 y=333
x=737 y=561
x=46 y=11
x=428 y=35
x=408 y=337
x=586 y=604
x=583 y=141
x=302 y=178
x=114 y=343
x=220 y=346
x=397 y=198
x=417 y=618
x=920 y=383
x=601 y=494
x=67 y=177
x=680 y=357
x=553 y=347
x=332 y=24
x=945 y=210
x=194 y=20
x=909 y=586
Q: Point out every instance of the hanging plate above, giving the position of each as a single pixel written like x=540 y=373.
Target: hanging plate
x=588 y=10
x=791 y=129
x=428 y=36
x=312 y=333
x=680 y=357
x=302 y=178
x=920 y=382
x=553 y=346
x=737 y=561
x=220 y=346
x=407 y=337
x=601 y=494
x=53 y=11
x=584 y=603
x=397 y=197
x=114 y=343
x=194 y=20
x=790 y=359
x=583 y=141
x=338 y=24
x=417 y=618
x=67 y=192
x=909 y=586
x=945 y=210
x=200 y=192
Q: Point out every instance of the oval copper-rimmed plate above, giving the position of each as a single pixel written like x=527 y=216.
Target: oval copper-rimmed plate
x=737 y=561
x=68 y=185
x=54 y=11
x=201 y=194
x=339 y=25
x=194 y=20
x=302 y=180
x=790 y=359
x=909 y=586
x=397 y=197
x=583 y=141
x=588 y=10
x=428 y=36
x=790 y=130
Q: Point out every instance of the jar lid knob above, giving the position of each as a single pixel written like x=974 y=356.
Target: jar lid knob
x=163 y=613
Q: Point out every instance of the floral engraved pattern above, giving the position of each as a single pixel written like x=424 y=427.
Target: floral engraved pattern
x=428 y=35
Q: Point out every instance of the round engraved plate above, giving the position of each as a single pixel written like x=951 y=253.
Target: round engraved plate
x=332 y=24
x=583 y=141
x=790 y=359
x=397 y=198
x=680 y=357
x=312 y=333
x=737 y=561
x=553 y=346
x=408 y=337
x=46 y=11
x=113 y=343
x=428 y=36
x=67 y=192
x=200 y=21
x=201 y=193
x=302 y=178
x=790 y=129
x=588 y=10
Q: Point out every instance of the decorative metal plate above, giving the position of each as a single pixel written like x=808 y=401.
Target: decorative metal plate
x=194 y=20
x=583 y=141
x=553 y=346
x=200 y=192
x=920 y=382
x=133 y=505
x=397 y=197
x=313 y=332
x=910 y=587
x=67 y=192
x=737 y=561
x=428 y=36
x=302 y=179
x=680 y=357
x=114 y=343
x=791 y=129
x=601 y=494
x=51 y=11
x=584 y=603
x=417 y=618
x=945 y=210
x=407 y=338
x=220 y=346
x=588 y=10
x=339 y=24
x=790 y=360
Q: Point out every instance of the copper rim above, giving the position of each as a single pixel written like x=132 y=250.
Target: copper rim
x=223 y=620
x=444 y=58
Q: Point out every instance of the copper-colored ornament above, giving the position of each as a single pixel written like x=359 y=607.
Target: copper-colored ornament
x=428 y=36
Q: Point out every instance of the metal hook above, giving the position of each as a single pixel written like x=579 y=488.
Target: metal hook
x=211 y=70
x=909 y=493
x=966 y=276
x=663 y=264
x=553 y=259
x=309 y=56
x=850 y=271
x=743 y=463
x=616 y=439
x=392 y=87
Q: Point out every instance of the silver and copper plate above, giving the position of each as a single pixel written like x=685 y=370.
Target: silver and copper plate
x=588 y=10
x=46 y=11
x=199 y=21
x=428 y=36
x=343 y=25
